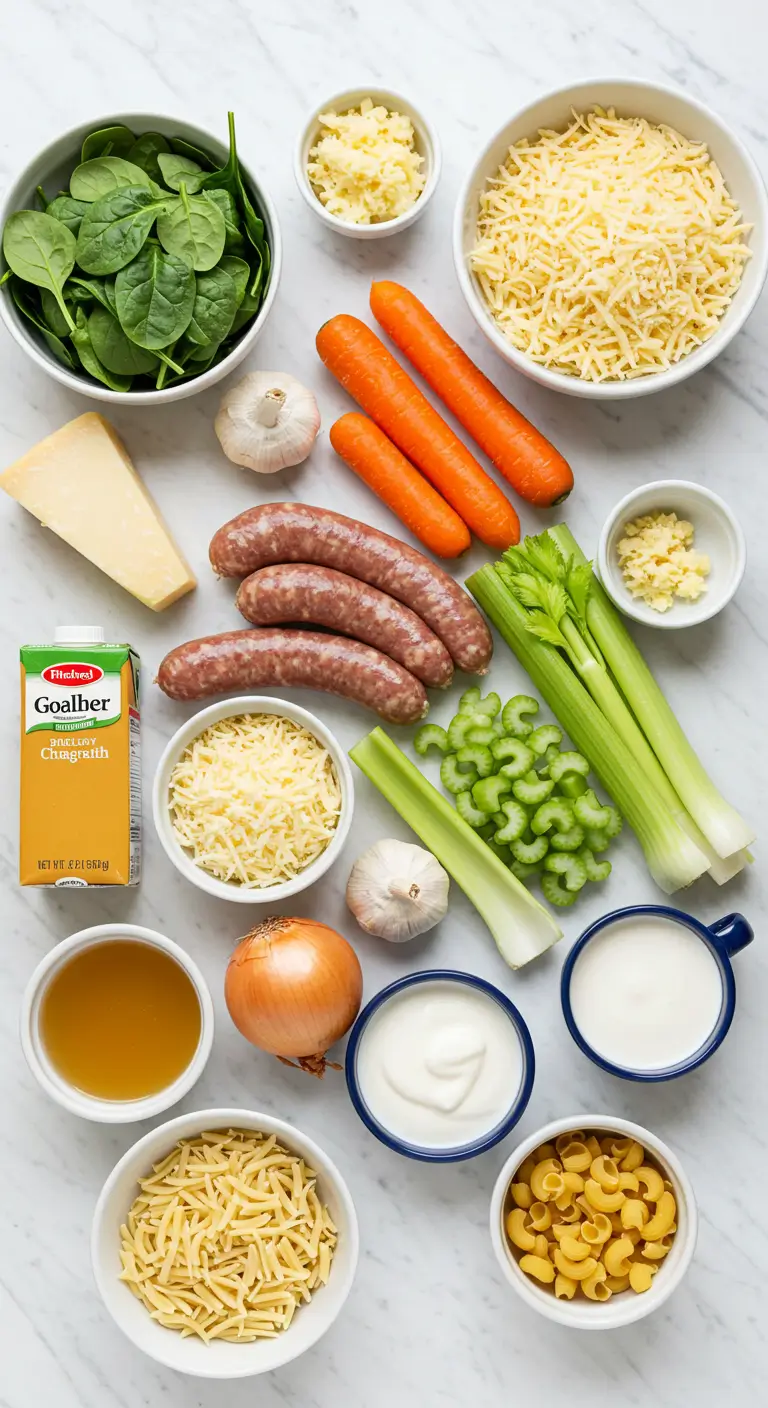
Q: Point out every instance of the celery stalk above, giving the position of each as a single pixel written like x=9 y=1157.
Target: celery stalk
x=726 y=831
x=521 y=926
x=673 y=859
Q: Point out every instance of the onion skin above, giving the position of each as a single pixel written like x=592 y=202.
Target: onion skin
x=293 y=987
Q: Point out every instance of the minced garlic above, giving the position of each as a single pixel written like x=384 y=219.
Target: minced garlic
x=364 y=167
x=658 y=562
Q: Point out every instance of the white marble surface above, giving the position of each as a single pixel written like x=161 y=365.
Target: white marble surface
x=429 y=1321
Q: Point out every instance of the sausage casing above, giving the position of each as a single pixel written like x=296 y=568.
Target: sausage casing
x=242 y=660
x=292 y=532
x=301 y=591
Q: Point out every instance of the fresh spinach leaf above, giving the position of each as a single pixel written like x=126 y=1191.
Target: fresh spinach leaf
x=115 y=228
x=41 y=251
x=83 y=290
x=23 y=298
x=118 y=139
x=239 y=271
x=114 y=350
x=184 y=148
x=145 y=152
x=69 y=211
x=176 y=169
x=214 y=309
x=251 y=300
x=234 y=241
x=99 y=178
x=90 y=362
x=155 y=297
x=193 y=228
x=52 y=314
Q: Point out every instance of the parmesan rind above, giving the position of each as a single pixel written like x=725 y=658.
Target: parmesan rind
x=364 y=167
x=610 y=250
x=658 y=562
x=255 y=799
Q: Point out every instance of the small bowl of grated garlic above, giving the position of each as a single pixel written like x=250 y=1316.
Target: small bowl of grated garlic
x=367 y=162
x=671 y=554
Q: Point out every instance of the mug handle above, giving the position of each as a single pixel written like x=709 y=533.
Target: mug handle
x=733 y=932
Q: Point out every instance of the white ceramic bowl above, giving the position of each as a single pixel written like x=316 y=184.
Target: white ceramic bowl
x=427 y=145
x=717 y=533
x=624 y=1309
x=631 y=98
x=226 y=708
x=219 y=1359
x=76 y=1101
x=52 y=168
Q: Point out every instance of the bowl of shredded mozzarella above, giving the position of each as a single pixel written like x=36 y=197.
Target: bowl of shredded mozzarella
x=612 y=238
x=253 y=799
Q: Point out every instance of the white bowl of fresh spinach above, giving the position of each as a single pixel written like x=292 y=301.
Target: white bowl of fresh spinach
x=140 y=258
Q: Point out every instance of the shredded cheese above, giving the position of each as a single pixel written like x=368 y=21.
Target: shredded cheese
x=255 y=798
x=227 y=1237
x=610 y=250
x=364 y=167
x=658 y=562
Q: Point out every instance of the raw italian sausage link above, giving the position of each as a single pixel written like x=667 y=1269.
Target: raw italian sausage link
x=269 y=656
x=293 y=592
x=291 y=532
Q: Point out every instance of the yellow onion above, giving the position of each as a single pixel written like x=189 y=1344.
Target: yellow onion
x=293 y=987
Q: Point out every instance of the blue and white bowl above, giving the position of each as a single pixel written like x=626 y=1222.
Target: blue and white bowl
x=451 y=1153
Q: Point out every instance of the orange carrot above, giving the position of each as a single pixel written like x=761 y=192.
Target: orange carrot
x=534 y=468
x=361 y=362
x=379 y=463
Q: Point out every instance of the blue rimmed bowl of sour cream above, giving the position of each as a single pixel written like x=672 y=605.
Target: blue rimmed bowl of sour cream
x=440 y=1065
x=648 y=992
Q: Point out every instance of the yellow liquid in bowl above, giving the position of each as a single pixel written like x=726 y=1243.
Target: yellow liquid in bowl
x=120 y=1020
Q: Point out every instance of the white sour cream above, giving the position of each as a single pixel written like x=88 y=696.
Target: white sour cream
x=646 y=993
x=439 y=1064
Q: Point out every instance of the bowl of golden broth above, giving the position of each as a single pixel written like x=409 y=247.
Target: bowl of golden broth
x=117 y=1023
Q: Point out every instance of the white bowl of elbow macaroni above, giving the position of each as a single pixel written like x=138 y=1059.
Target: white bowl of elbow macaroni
x=626 y=1307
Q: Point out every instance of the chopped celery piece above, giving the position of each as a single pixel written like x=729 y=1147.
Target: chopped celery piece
x=532 y=789
x=521 y=870
x=570 y=840
x=521 y=927
x=596 y=869
x=673 y=859
x=488 y=792
x=514 y=754
x=453 y=779
x=468 y=812
x=588 y=811
x=530 y=851
x=553 y=890
x=614 y=823
x=557 y=812
x=543 y=765
x=544 y=737
x=484 y=733
x=479 y=757
x=596 y=839
x=512 y=715
x=568 y=763
x=458 y=729
x=469 y=700
x=572 y=785
x=430 y=736
x=515 y=822
x=489 y=706
x=571 y=868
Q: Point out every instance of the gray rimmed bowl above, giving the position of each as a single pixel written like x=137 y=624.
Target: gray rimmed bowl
x=52 y=168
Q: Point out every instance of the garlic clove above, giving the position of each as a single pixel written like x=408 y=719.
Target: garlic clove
x=268 y=421
x=396 y=891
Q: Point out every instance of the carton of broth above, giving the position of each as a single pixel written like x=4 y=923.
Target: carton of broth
x=80 y=762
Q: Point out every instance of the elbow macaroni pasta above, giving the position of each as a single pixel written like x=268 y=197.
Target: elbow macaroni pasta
x=589 y=1215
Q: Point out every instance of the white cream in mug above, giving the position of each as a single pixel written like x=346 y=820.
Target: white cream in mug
x=439 y=1064
x=646 y=993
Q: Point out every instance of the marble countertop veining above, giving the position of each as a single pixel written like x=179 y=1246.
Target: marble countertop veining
x=430 y=1321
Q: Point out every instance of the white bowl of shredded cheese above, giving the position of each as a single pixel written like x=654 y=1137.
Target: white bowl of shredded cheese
x=621 y=247
x=253 y=799
x=659 y=573
x=367 y=163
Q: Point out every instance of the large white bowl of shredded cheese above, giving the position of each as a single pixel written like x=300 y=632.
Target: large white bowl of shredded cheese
x=607 y=259
x=253 y=799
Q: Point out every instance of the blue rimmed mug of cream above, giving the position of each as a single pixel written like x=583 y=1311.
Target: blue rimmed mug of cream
x=440 y=1065
x=648 y=992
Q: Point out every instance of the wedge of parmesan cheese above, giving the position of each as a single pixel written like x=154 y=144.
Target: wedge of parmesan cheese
x=610 y=250
x=364 y=167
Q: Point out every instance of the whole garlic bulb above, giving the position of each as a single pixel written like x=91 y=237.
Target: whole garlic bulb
x=397 y=891
x=267 y=422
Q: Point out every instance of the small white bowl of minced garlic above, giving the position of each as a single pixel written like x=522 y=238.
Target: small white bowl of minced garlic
x=367 y=163
x=671 y=554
